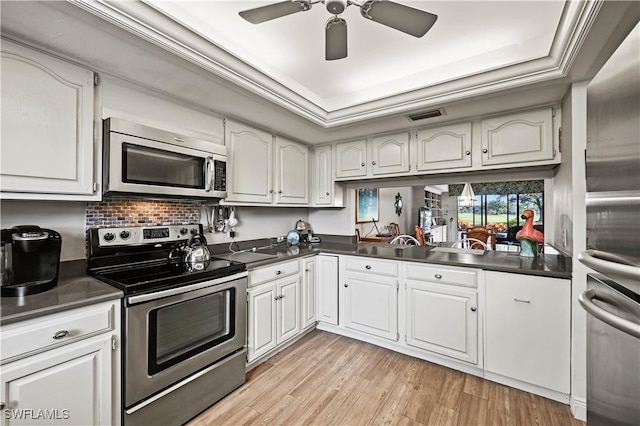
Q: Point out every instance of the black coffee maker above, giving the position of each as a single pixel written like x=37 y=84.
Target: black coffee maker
x=30 y=260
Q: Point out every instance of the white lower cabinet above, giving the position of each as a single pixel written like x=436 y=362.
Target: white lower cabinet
x=527 y=327
x=274 y=312
x=370 y=299
x=327 y=279
x=50 y=381
x=442 y=311
x=309 y=292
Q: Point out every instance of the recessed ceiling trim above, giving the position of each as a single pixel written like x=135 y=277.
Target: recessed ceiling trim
x=152 y=25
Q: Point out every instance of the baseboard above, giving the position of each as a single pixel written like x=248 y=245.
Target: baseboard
x=528 y=387
x=579 y=408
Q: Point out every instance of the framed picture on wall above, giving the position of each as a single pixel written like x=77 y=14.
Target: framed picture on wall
x=367 y=205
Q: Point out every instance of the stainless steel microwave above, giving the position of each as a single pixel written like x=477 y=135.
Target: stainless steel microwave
x=145 y=161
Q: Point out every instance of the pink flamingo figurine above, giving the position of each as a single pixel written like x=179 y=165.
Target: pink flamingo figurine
x=528 y=236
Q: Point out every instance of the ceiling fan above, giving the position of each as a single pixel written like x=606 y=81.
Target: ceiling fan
x=400 y=17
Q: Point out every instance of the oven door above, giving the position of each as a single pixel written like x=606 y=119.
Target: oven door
x=171 y=334
x=143 y=166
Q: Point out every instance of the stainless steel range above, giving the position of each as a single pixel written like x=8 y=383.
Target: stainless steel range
x=184 y=323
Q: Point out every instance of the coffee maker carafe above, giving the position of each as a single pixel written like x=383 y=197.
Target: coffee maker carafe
x=30 y=260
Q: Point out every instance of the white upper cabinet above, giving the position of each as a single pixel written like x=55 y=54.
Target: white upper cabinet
x=292 y=168
x=386 y=155
x=390 y=154
x=518 y=138
x=325 y=191
x=250 y=163
x=446 y=147
x=351 y=159
x=48 y=145
x=255 y=177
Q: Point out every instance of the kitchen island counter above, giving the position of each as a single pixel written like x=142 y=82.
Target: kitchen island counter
x=549 y=265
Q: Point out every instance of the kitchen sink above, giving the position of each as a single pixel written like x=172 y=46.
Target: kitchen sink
x=457 y=250
x=245 y=256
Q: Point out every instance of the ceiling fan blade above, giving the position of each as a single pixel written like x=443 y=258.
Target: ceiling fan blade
x=403 y=18
x=335 y=39
x=273 y=11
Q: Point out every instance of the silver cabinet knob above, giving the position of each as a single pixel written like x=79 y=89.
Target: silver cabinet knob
x=373 y=162
x=468 y=152
x=346 y=285
x=278 y=272
x=2 y=405
x=362 y=164
x=368 y=266
x=473 y=309
x=438 y=276
x=485 y=150
x=280 y=192
x=306 y=270
x=271 y=191
x=326 y=193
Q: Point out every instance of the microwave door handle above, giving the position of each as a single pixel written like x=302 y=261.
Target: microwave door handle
x=609 y=263
x=586 y=300
x=209 y=171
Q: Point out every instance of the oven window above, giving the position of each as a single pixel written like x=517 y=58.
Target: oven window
x=153 y=166
x=184 y=329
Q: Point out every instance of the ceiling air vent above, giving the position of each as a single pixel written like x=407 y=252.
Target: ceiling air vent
x=426 y=114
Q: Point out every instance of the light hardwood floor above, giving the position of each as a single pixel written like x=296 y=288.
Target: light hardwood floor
x=326 y=379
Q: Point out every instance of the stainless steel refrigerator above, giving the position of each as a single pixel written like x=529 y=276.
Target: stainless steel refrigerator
x=612 y=297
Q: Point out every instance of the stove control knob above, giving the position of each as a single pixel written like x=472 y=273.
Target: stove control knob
x=183 y=231
x=125 y=235
x=194 y=231
x=109 y=236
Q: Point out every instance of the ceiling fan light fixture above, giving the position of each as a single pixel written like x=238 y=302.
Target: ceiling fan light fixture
x=335 y=39
x=336 y=6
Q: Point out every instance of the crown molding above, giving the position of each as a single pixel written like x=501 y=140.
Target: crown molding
x=144 y=21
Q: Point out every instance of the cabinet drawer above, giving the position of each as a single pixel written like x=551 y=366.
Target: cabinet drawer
x=439 y=274
x=268 y=273
x=372 y=266
x=38 y=334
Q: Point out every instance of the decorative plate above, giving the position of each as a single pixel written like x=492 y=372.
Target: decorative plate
x=293 y=237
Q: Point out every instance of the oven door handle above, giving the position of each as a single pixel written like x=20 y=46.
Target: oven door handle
x=134 y=300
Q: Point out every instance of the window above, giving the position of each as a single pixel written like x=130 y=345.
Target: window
x=500 y=205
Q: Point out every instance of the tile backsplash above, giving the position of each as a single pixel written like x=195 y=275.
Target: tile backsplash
x=119 y=212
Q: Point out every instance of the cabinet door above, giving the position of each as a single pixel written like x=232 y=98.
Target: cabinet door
x=250 y=163
x=262 y=320
x=288 y=308
x=47 y=127
x=309 y=292
x=444 y=147
x=518 y=138
x=322 y=176
x=292 y=166
x=390 y=154
x=67 y=385
x=443 y=319
x=527 y=322
x=327 y=289
x=371 y=304
x=351 y=159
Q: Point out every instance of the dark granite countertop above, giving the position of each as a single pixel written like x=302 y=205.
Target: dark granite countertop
x=74 y=289
x=549 y=265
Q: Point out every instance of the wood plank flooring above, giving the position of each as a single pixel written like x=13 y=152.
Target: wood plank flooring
x=326 y=379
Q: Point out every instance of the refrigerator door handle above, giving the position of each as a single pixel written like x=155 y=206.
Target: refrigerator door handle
x=609 y=263
x=586 y=300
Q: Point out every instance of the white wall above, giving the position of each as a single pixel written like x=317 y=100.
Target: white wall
x=569 y=210
x=66 y=217
x=259 y=222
